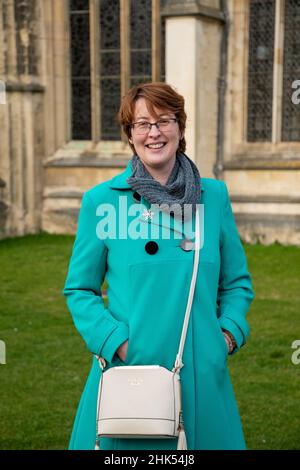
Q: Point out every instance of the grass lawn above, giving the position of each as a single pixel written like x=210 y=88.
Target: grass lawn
x=47 y=361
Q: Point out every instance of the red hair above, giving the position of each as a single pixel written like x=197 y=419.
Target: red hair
x=158 y=95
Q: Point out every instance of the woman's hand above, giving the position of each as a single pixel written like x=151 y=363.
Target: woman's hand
x=122 y=351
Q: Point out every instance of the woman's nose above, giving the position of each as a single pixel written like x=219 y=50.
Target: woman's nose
x=154 y=131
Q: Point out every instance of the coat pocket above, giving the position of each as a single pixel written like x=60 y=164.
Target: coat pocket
x=127 y=359
x=223 y=343
x=127 y=354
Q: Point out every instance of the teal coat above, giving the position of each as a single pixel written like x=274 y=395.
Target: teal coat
x=147 y=296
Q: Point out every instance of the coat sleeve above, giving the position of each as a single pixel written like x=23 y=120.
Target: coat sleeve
x=102 y=333
x=235 y=292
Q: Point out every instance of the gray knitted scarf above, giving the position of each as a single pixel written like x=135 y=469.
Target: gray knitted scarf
x=183 y=185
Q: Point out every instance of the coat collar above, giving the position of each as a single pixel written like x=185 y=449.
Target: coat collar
x=119 y=181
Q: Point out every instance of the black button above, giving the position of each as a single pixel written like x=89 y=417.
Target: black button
x=151 y=248
x=136 y=196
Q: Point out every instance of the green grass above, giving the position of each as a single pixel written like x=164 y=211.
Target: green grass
x=47 y=361
x=265 y=380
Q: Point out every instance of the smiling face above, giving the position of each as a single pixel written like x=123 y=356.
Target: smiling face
x=157 y=148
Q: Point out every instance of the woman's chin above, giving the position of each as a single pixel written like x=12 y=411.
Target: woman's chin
x=158 y=158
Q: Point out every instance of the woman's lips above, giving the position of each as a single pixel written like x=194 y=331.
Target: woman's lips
x=156 y=146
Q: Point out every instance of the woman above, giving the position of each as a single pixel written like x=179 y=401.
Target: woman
x=148 y=278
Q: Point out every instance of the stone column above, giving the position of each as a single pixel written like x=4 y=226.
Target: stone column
x=181 y=52
x=193 y=32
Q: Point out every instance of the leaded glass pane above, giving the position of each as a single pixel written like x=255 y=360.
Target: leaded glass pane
x=79 y=5
x=163 y=41
x=291 y=71
x=80 y=70
x=111 y=92
x=260 y=71
x=140 y=41
x=110 y=81
x=140 y=61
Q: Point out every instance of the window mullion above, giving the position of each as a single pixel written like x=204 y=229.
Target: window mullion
x=156 y=41
x=125 y=45
x=95 y=70
x=278 y=71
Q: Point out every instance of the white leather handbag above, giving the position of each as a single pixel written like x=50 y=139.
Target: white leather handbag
x=145 y=401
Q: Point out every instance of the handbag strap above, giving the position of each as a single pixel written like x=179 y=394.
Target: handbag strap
x=178 y=363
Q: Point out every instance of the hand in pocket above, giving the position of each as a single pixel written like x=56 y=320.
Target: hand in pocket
x=122 y=351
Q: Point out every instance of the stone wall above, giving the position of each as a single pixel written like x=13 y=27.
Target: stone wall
x=43 y=174
x=21 y=117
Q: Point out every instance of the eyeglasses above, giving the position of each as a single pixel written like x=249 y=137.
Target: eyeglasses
x=143 y=127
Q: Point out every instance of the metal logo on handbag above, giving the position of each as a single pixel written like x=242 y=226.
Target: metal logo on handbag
x=145 y=401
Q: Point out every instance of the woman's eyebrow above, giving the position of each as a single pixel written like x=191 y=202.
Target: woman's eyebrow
x=147 y=118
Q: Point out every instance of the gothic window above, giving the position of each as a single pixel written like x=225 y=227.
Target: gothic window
x=20 y=38
x=260 y=69
x=27 y=36
x=80 y=69
x=110 y=66
x=114 y=45
x=291 y=71
x=273 y=34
